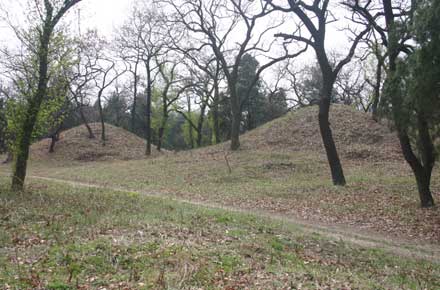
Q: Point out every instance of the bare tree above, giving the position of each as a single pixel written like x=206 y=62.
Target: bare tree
x=146 y=25
x=231 y=29
x=83 y=73
x=107 y=74
x=314 y=19
x=351 y=87
x=375 y=49
x=131 y=50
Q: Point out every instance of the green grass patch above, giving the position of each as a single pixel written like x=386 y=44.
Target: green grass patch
x=55 y=236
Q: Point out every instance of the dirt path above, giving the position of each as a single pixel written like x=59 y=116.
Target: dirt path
x=336 y=232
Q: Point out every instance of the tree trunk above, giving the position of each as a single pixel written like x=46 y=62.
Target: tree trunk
x=101 y=115
x=55 y=137
x=53 y=140
x=9 y=157
x=24 y=142
x=190 y=132
x=148 y=111
x=250 y=121
x=89 y=130
x=376 y=95
x=327 y=136
x=422 y=168
x=84 y=119
x=133 y=108
x=422 y=171
x=191 y=137
x=200 y=124
x=215 y=114
x=162 y=129
x=25 y=135
x=160 y=138
x=236 y=120
x=423 y=185
x=164 y=119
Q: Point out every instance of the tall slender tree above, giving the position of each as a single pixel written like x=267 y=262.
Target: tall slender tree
x=143 y=36
x=314 y=18
x=51 y=12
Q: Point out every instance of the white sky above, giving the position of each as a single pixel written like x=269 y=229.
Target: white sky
x=104 y=15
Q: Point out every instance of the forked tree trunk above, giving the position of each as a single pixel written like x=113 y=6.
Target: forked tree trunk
x=83 y=118
x=55 y=137
x=86 y=123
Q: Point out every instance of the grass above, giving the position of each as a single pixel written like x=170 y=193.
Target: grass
x=379 y=196
x=55 y=236
x=58 y=237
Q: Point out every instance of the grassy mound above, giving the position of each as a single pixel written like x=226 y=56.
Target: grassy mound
x=74 y=145
x=356 y=135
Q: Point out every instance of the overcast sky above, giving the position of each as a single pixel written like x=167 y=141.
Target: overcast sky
x=103 y=15
x=106 y=15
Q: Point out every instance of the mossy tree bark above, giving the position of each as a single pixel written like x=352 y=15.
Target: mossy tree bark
x=24 y=137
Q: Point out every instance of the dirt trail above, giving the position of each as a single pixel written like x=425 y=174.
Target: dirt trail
x=347 y=234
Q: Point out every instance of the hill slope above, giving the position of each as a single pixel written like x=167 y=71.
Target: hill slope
x=356 y=135
x=74 y=145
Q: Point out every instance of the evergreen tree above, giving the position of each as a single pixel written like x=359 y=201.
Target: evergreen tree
x=276 y=105
x=116 y=110
x=252 y=107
